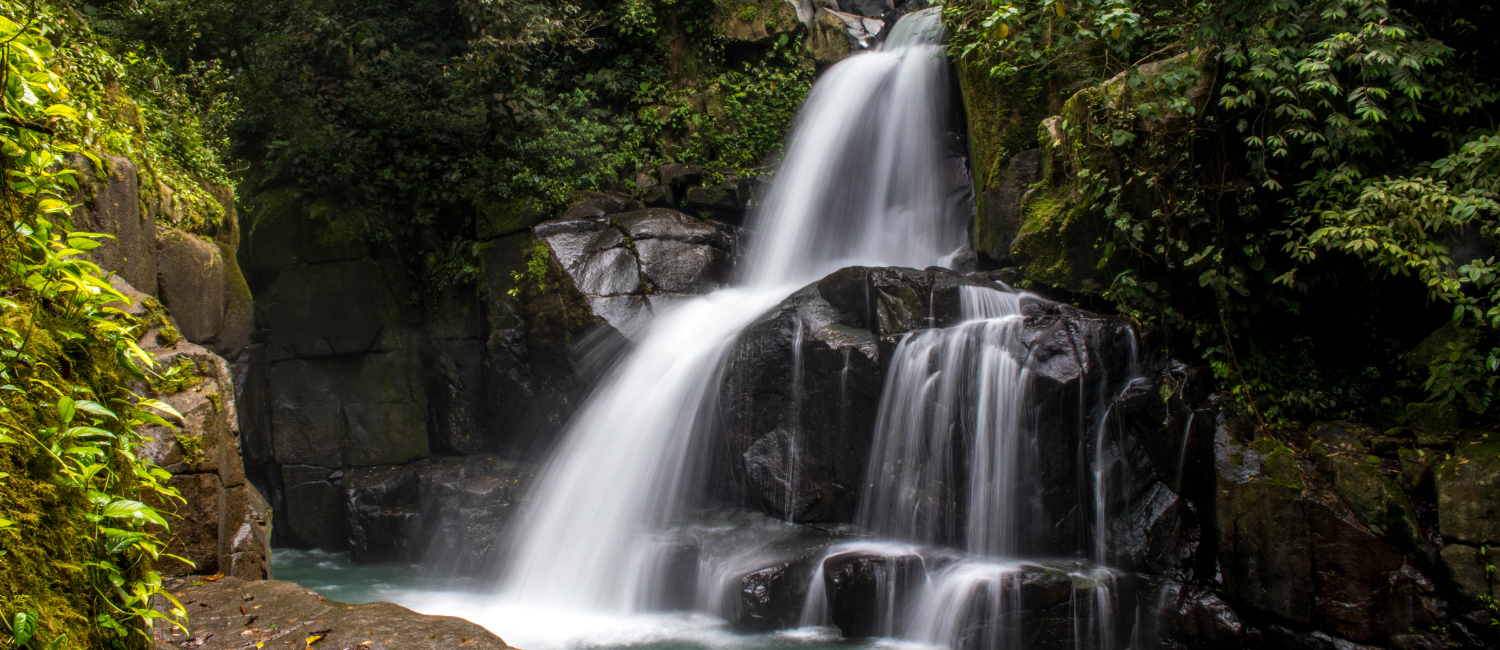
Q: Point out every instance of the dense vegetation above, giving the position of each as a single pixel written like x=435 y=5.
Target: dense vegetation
x=1298 y=191
x=421 y=127
x=78 y=539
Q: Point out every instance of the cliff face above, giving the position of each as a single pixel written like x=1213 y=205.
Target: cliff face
x=193 y=295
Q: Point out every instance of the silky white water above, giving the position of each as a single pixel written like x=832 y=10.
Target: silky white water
x=865 y=180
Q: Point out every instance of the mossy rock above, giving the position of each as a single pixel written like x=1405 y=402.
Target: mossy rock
x=755 y=21
x=1468 y=489
x=1056 y=244
x=501 y=218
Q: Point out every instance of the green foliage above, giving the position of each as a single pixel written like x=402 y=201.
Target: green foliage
x=408 y=120
x=1278 y=176
x=536 y=269
x=70 y=432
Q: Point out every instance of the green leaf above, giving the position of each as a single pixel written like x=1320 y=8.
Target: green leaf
x=128 y=509
x=65 y=408
x=95 y=408
x=117 y=540
x=23 y=627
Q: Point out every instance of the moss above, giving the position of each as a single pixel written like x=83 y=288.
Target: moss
x=193 y=450
x=179 y=377
x=1055 y=245
x=44 y=556
x=748 y=13
x=1003 y=115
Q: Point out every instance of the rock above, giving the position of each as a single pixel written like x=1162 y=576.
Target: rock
x=357 y=411
x=328 y=309
x=799 y=434
x=860 y=586
x=681 y=176
x=239 y=308
x=1001 y=217
x=828 y=39
x=465 y=504
x=1468 y=491
x=275 y=613
x=222 y=524
x=314 y=511
x=382 y=506
x=755 y=21
x=1196 y=618
x=1432 y=419
x=599 y=205
x=1375 y=498
x=1159 y=534
x=658 y=196
x=1293 y=550
x=770 y=595
x=1466 y=568
x=191 y=283
x=110 y=204
x=622 y=263
x=495 y=219
x=456 y=397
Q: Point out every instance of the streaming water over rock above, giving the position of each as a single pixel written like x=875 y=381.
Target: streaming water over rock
x=866 y=178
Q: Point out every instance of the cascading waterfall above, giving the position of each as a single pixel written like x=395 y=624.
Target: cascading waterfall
x=948 y=387
x=866 y=180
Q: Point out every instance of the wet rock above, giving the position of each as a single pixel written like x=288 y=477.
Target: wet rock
x=799 y=394
x=464 y=504
x=1193 y=617
x=276 y=614
x=456 y=396
x=769 y=593
x=1158 y=534
x=863 y=586
x=381 y=504
x=621 y=263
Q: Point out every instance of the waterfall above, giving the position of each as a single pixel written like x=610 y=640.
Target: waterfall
x=866 y=179
x=952 y=394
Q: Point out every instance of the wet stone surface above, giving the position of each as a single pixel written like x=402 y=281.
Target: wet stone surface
x=229 y=613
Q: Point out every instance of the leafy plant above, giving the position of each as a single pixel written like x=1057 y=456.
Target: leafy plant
x=66 y=350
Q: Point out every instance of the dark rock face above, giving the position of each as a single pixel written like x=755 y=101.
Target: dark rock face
x=447 y=511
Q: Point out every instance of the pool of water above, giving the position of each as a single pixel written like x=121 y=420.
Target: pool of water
x=336 y=577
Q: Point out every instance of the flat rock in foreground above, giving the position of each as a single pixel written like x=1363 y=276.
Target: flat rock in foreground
x=230 y=614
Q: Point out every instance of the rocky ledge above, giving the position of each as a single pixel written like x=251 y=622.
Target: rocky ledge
x=230 y=614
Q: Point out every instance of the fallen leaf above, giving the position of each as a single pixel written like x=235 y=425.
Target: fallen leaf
x=247 y=597
x=215 y=577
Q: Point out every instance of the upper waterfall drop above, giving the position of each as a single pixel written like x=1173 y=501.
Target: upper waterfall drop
x=867 y=179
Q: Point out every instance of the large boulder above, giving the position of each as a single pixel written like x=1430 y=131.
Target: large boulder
x=191 y=280
x=628 y=265
x=1292 y=548
x=331 y=309
x=110 y=203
